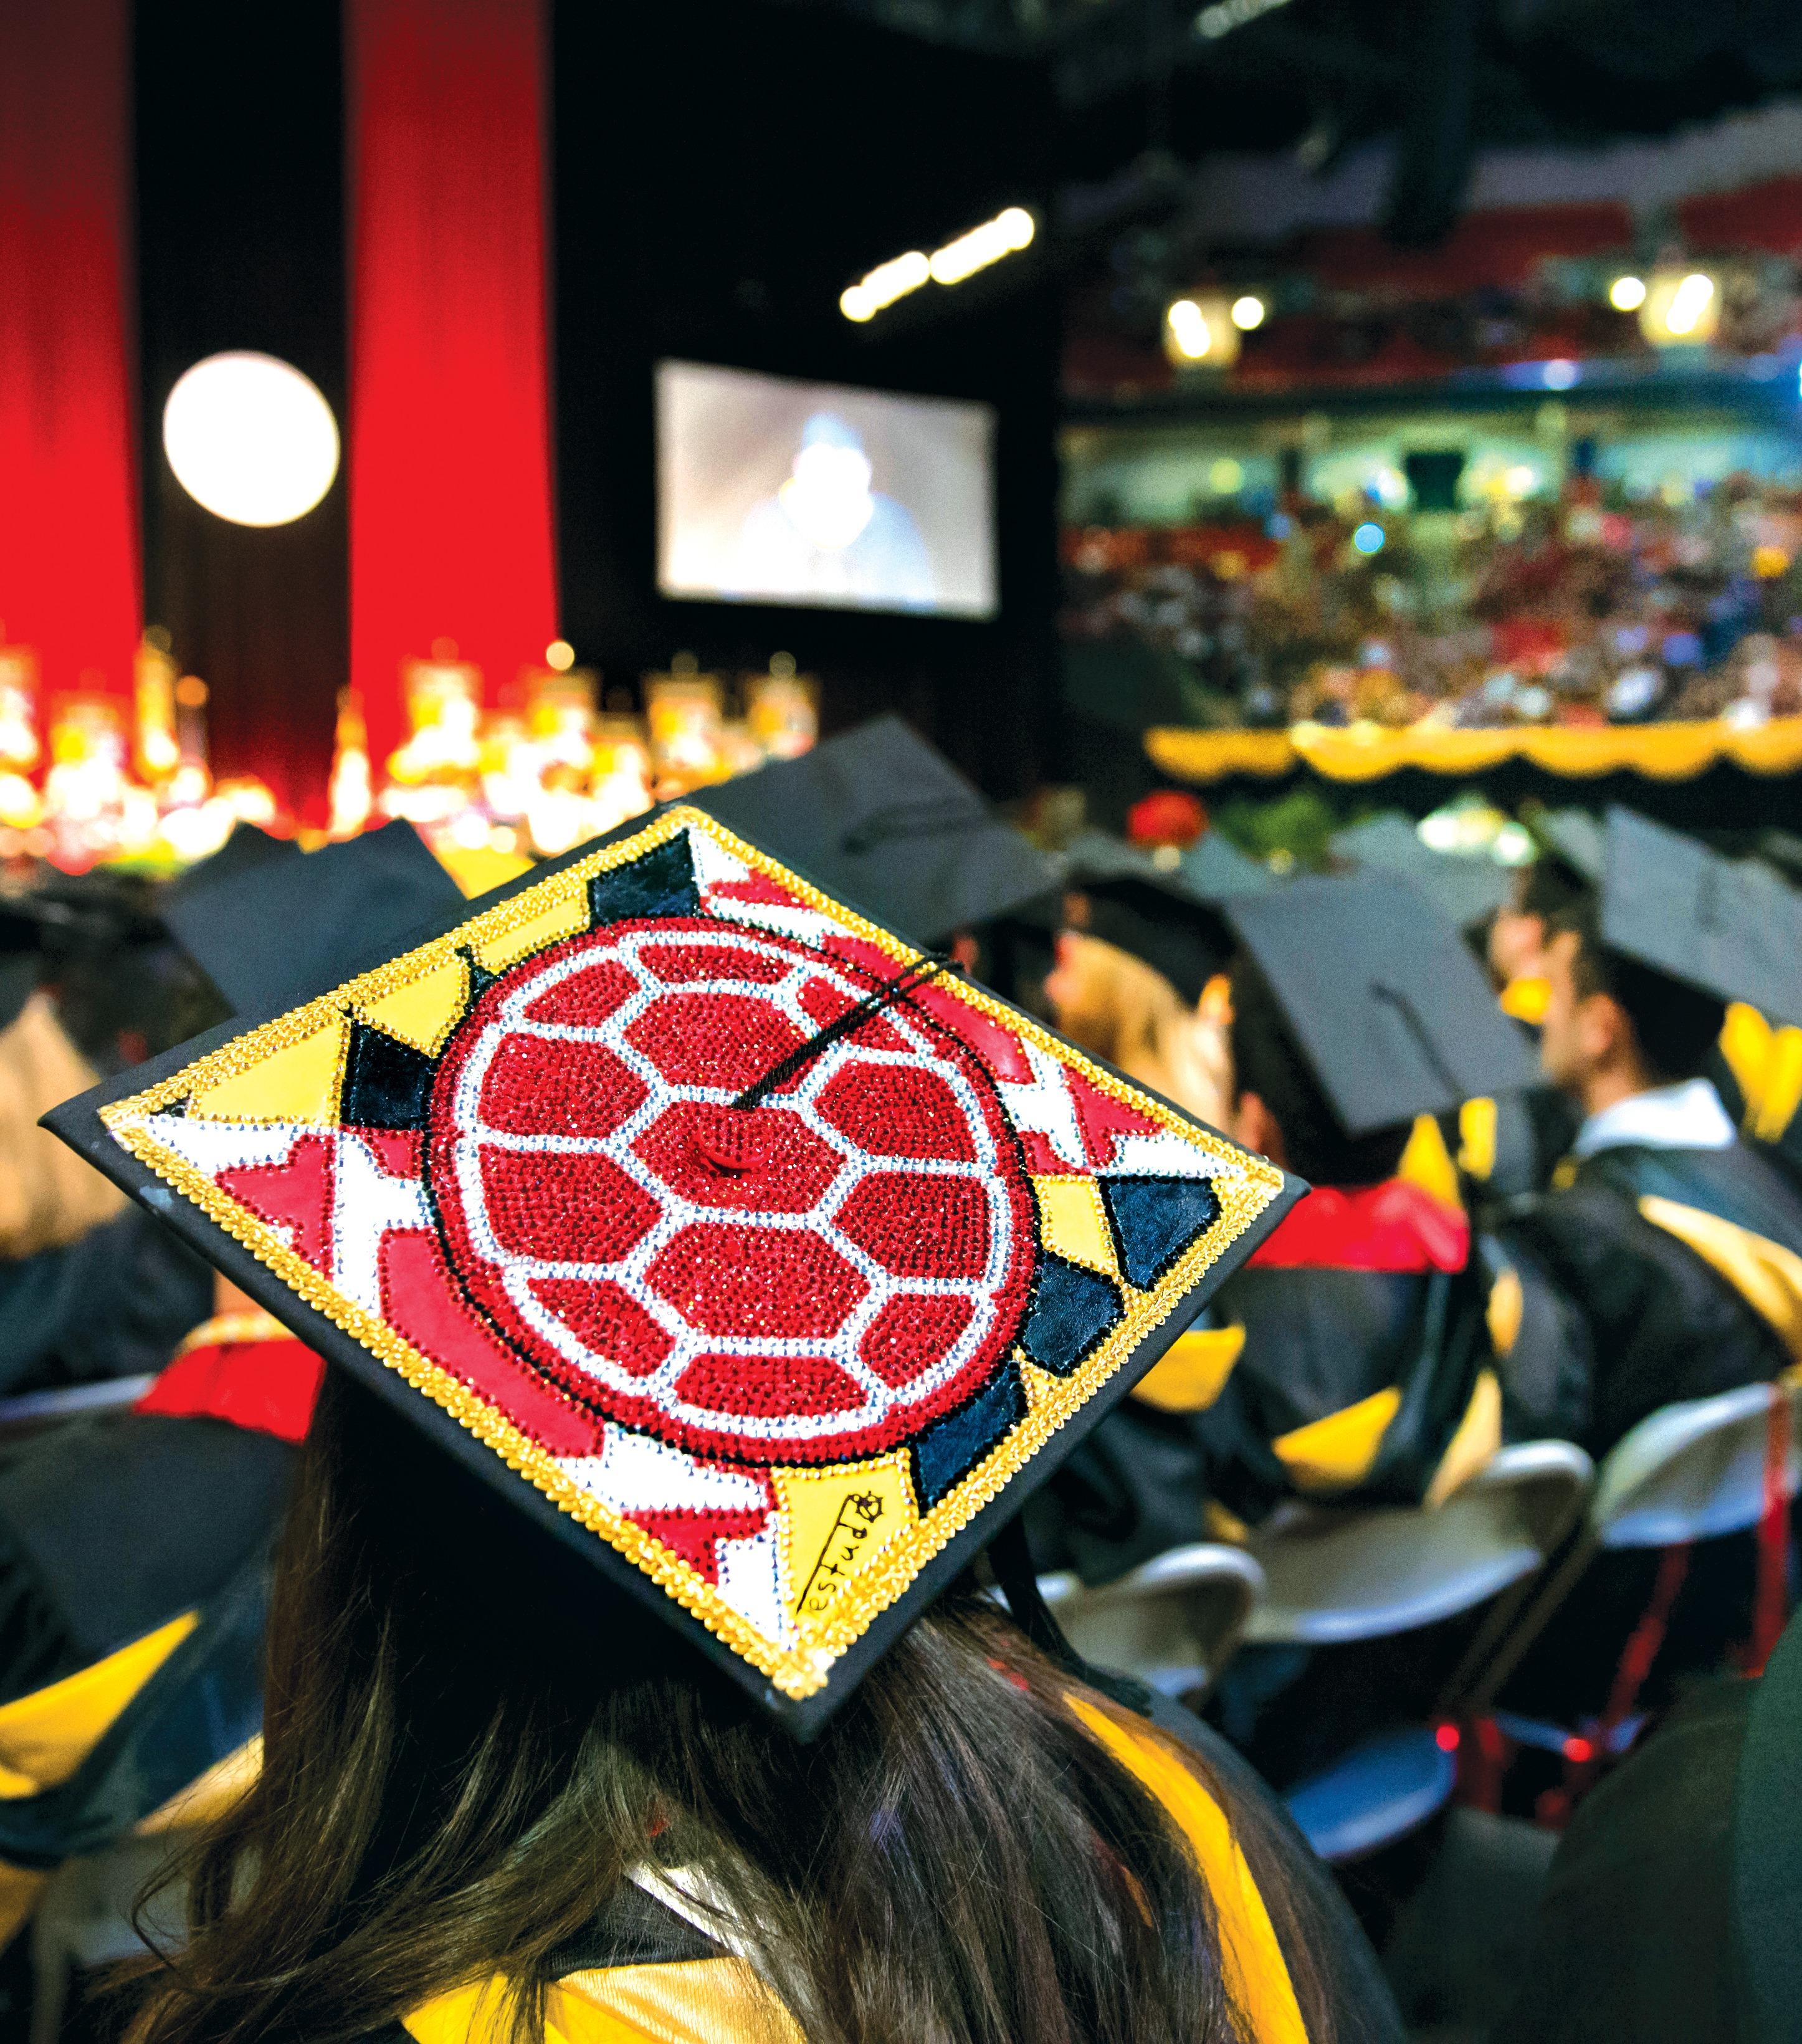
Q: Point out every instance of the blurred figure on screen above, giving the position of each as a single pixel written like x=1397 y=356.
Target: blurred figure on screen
x=826 y=533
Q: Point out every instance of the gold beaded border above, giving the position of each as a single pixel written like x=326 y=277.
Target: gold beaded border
x=1245 y=1191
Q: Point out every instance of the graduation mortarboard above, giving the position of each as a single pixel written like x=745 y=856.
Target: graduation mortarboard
x=890 y=825
x=1468 y=886
x=1168 y=917
x=758 y=1258
x=1732 y=928
x=267 y=922
x=1390 y=1008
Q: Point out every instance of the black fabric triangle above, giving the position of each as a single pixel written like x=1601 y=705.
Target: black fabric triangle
x=1155 y=1220
x=387 y=1083
x=480 y=977
x=945 y=1453
x=661 y=883
x=1072 y=1311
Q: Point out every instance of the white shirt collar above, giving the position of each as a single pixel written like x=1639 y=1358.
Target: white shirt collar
x=1685 y=1117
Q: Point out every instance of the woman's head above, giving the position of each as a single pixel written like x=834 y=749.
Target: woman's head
x=461 y=1769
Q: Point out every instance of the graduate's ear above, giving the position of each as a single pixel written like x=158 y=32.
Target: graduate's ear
x=1604 y=1032
x=1254 y=1125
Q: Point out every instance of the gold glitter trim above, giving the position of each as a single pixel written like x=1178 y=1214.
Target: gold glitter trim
x=1245 y=1186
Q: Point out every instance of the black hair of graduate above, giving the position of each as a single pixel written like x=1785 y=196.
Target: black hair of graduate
x=1675 y=1026
x=463 y=1760
x=1268 y=1061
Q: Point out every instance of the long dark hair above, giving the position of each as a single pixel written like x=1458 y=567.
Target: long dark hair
x=457 y=1777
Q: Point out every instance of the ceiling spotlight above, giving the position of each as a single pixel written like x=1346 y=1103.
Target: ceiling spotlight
x=1248 y=311
x=251 y=439
x=1187 y=326
x=1627 y=294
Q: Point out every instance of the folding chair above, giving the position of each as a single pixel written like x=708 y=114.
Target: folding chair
x=1334 y=1576
x=1174 y=1623
x=1691 y=1472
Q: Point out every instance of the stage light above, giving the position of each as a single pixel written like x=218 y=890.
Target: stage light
x=1248 y=311
x=1627 y=294
x=251 y=439
x=1558 y=375
x=1005 y=234
x=1369 y=539
x=1187 y=327
x=883 y=284
x=559 y=655
x=1681 y=308
x=1011 y=230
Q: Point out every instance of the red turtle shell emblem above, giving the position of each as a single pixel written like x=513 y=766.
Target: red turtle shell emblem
x=814 y=1279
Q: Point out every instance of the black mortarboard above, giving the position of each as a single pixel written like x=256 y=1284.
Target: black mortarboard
x=890 y=826
x=1730 y=928
x=265 y=922
x=764 y=1263
x=1162 y=914
x=1388 y=1005
x=1468 y=886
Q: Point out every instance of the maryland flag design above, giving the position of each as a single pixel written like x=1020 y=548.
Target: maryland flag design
x=759 y=1246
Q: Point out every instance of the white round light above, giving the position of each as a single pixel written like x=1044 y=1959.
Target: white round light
x=251 y=439
x=1627 y=294
x=1248 y=311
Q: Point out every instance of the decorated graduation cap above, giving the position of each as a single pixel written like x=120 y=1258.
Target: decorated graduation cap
x=1468 y=886
x=746 y=1250
x=1729 y=927
x=888 y=825
x=1390 y=1010
x=1167 y=915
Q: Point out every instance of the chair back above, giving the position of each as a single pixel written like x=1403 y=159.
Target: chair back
x=1174 y=1623
x=1335 y=1574
x=1693 y=1470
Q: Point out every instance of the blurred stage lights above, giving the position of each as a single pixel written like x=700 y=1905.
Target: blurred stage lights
x=1627 y=294
x=1248 y=311
x=251 y=439
x=1200 y=331
x=1005 y=235
x=1369 y=539
x=1680 y=307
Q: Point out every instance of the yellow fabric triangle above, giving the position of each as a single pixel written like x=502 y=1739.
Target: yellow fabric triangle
x=1427 y=1163
x=1073 y=1224
x=1525 y=999
x=425 y=1011
x=836 y=1521
x=47 y=1734
x=565 y=917
x=1477 y=1138
x=302 y=1083
x=1766 y=1276
x=1192 y=1372
x=1336 y=1452
x=1251 y=1960
x=1478 y=1436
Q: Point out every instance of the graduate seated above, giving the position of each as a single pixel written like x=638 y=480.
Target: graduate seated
x=1676 y=1245
x=135 y=1544
x=1351 y=1358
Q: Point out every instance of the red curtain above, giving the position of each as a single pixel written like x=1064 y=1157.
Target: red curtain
x=69 y=562
x=449 y=455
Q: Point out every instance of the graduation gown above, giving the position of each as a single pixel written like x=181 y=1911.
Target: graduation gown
x=1350 y=1358
x=1684 y=1266
x=133 y=1557
x=649 y=1973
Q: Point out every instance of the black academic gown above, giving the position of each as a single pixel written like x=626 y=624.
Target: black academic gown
x=1664 y=1254
x=134 y=1550
x=1330 y=1380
